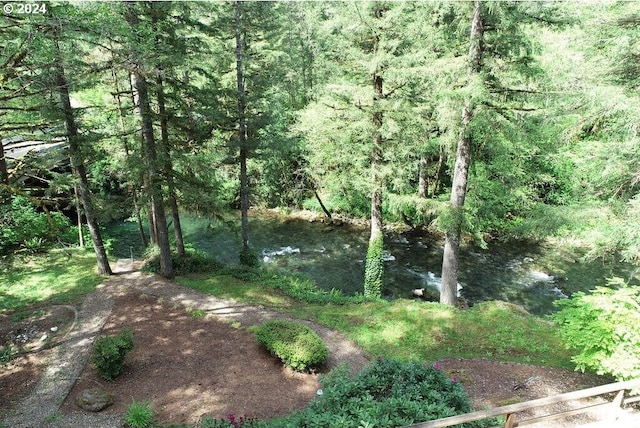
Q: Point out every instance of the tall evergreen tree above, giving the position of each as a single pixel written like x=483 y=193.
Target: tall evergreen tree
x=448 y=294
x=153 y=166
x=374 y=264
x=76 y=156
x=240 y=43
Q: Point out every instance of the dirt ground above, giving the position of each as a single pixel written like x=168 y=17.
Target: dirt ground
x=188 y=364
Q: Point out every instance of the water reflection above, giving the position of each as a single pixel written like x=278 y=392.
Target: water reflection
x=333 y=256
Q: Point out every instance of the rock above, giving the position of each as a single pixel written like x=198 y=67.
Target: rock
x=462 y=303
x=95 y=399
x=427 y=294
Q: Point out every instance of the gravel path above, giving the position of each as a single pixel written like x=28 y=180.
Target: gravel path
x=41 y=409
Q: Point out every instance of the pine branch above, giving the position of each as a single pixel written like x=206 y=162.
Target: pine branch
x=503 y=108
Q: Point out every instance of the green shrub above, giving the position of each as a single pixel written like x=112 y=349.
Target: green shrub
x=249 y=258
x=22 y=227
x=109 y=353
x=7 y=353
x=139 y=415
x=374 y=269
x=386 y=393
x=191 y=262
x=298 y=346
x=603 y=328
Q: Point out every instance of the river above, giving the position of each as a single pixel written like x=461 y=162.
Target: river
x=528 y=274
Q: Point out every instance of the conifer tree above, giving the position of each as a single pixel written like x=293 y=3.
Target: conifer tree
x=153 y=165
x=76 y=155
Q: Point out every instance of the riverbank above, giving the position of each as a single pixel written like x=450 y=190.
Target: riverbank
x=527 y=273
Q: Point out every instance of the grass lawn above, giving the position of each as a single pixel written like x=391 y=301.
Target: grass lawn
x=407 y=329
x=48 y=279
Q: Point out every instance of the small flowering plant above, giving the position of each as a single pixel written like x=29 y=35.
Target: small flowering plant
x=232 y=421
x=438 y=367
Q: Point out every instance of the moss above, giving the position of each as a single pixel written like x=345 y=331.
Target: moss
x=374 y=269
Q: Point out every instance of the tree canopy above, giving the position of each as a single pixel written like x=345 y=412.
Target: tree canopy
x=485 y=119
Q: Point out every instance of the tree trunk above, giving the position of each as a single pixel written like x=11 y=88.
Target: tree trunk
x=151 y=218
x=242 y=132
x=168 y=167
x=448 y=294
x=78 y=213
x=423 y=178
x=4 y=174
x=144 y=175
x=78 y=166
x=326 y=211
x=132 y=189
x=437 y=181
x=155 y=185
x=374 y=264
x=376 y=162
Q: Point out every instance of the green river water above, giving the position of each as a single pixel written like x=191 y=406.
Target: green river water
x=531 y=275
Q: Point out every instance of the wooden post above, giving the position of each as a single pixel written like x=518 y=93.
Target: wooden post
x=619 y=400
x=511 y=419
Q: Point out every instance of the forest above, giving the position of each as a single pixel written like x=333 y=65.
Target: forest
x=481 y=121
x=454 y=143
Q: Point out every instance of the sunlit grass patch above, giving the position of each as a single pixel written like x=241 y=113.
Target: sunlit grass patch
x=502 y=331
x=227 y=286
x=53 y=278
x=408 y=329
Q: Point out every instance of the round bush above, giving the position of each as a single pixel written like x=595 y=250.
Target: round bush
x=298 y=346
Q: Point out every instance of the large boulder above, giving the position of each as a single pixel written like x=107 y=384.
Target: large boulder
x=95 y=399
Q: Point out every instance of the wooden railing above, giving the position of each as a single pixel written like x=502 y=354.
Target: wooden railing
x=510 y=411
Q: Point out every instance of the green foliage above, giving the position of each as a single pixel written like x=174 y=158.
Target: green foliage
x=419 y=211
x=342 y=200
x=139 y=415
x=191 y=262
x=196 y=313
x=7 y=353
x=453 y=220
x=616 y=234
x=248 y=257
x=22 y=227
x=109 y=353
x=297 y=345
x=386 y=393
x=603 y=328
x=295 y=286
x=374 y=268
